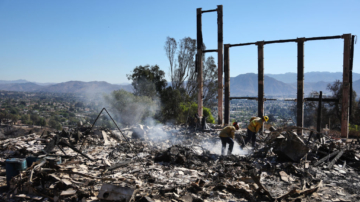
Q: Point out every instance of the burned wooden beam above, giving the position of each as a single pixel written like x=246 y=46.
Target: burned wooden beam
x=300 y=86
x=318 y=124
x=76 y=150
x=211 y=50
x=227 y=83
x=351 y=69
x=220 y=63
x=326 y=158
x=207 y=11
x=261 y=80
x=346 y=87
x=331 y=164
x=199 y=40
x=289 y=40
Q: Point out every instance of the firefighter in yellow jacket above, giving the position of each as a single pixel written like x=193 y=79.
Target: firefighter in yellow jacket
x=227 y=137
x=254 y=127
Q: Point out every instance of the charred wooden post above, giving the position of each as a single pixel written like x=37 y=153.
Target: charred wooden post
x=318 y=125
x=351 y=69
x=260 y=79
x=200 y=63
x=300 y=86
x=346 y=87
x=220 y=63
x=227 y=83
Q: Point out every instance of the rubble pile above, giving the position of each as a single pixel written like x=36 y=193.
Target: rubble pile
x=170 y=163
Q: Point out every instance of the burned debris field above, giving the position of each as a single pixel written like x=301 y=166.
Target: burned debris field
x=95 y=107
x=174 y=163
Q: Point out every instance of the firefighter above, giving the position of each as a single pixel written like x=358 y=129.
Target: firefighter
x=227 y=137
x=254 y=127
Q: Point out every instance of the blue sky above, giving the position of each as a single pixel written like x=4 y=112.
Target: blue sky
x=85 y=40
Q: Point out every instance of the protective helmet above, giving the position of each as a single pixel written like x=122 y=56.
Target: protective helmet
x=266 y=118
x=235 y=124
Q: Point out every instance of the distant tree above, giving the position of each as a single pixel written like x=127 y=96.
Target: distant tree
x=55 y=124
x=183 y=72
x=13 y=110
x=41 y=122
x=147 y=81
x=335 y=107
x=170 y=49
x=79 y=104
x=25 y=119
x=170 y=104
x=180 y=68
x=34 y=118
x=22 y=103
x=210 y=82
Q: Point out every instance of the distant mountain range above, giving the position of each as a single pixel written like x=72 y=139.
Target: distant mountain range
x=24 y=81
x=78 y=87
x=247 y=85
x=241 y=85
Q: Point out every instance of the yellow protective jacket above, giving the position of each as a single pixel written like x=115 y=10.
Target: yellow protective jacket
x=228 y=131
x=255 y=124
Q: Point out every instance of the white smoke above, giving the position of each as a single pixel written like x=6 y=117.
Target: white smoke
x=215 y=148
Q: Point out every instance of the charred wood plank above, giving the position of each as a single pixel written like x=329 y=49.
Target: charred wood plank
x=118 y=165
x=326 y=158
x=76 y=150
x=331 y=164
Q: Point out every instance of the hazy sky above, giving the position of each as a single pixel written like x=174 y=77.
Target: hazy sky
x=85 y=40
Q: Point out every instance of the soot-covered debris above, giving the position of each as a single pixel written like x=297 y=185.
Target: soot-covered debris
x=174 y=163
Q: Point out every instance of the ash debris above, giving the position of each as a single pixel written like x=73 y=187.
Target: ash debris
x=175 y=163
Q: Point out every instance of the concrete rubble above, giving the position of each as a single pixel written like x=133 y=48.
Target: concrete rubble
x=171 y=163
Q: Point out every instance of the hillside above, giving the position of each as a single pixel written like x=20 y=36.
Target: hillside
x=66 y=87
x=246 y=85
x=83 y=87
x=26 y=87
x=241 y=85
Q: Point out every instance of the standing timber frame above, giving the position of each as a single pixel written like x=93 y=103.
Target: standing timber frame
x=199 y=60
x=347 y=71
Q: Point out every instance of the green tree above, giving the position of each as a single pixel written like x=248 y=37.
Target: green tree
x=189 y=111
x=25 y=119
x=147 y=81
x=34 y=118
x=335 y=107
x=13 y=110
x=79 y=104
x=41 y=122
x=55 y=124
x=22 y=103
x=182 y=70
x=170 y=104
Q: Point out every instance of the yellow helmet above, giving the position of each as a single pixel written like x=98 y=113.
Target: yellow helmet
x=266 y=118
